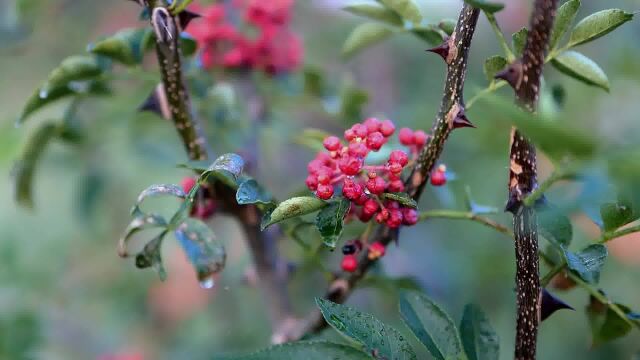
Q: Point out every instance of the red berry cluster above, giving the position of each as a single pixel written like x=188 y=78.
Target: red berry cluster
x=344 y=165
x=204 y=205
x=352 y=248
x=272 y=47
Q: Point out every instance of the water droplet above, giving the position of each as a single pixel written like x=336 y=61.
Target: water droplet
x=207 y=282
x=43 y=93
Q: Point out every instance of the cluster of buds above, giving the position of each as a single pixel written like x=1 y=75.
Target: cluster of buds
x=204 y=205
x=351 y=249
x=271 y=47
x=343 y=167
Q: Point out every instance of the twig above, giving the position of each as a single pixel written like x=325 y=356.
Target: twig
x=451 y=115
x=465 y=215
x=524 y=76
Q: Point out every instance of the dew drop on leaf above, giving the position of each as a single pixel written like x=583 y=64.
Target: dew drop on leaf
x=207 y=282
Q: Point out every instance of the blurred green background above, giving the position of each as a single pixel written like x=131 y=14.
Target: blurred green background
x=64 y=293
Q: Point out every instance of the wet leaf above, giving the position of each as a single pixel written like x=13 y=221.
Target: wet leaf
x=139 y=223
x=373 y=334
x=403 y=198
x=307 y=350
x=487 y=6
x=598 y=24
x=479 y=338
x=126 y=46
x=225 y=168
x=207 y=256
x=564 y=18
x=606 y=325
x=364 y=36
x=518 y=40
x=375 y=12
x=250 y=192
x=431 y=325
x=587 y=263
x=554 y=225
x=330 y=221
x=151 y=256
x=72 y=69
x=615 y=215
x=492 y=65
x=581 y=68
x=292 y=208
x=158 y=190
x=406 y=8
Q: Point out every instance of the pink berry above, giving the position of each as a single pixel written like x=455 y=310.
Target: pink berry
x=352 y=190
x=312 y=182
x=364 y=217
x=396 y=186
x=399 y=156
x=324 y=192
x=370 y=207
x=349 y=263
x=409 y=216
x=376 y=251
x=187 y=184
x=395 y=218
x=438 y=178
x=406 y=136
x=349 y=134
x=314 y=166
x=387 y=128
x=395 y=168
x=375 y=140
x=419 y=138
x=323 y=177
x=376 y=185
x=372 y=125
x=362 y=199
x=382 y=216
x=350 y=166
x=358 y=149
x=360 y=130
x=331 y=143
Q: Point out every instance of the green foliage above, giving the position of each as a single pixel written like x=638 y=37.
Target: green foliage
x=206 y=255
x=363 y=36
x=330 y=221
x=291 y=208
x=606 y=324
x=597 y=25
x=151 y=256
x=554 y=225
x=492 y=65
x=352 y=102
x=587 y=263
x=406 y=8
x=308 y=350
x=376 y=337
x=564 y=18
x=617 y=214
x=403 y=198
x=518 y=40
x=479 y=339
x=127 y=46
x=487 y=6
x=375 y=12
x=431 y=34
x=581 y=68
x=250 y=192
x=431 y=325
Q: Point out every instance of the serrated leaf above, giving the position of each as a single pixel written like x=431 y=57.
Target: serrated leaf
x=597 y=25
x=207 y=256
x=375 y=12
x=139 y=223
x=151 y=256
x=588 y=262
x=581 y=68
x=73 y=68
x=406 y=8
x=479 y=338
x=518 y=40
x=291 y=208
x=615 y=215
x=36 y=102
x=564 y=18
x=24 y=169
x=307 y=350
x=126 y=46
x=363 y=36
x=447 y=25
x=430 y=34
x=554 y=225
x=158 y=190
x=431 y=325
x=487 y=6
x=492 y=65
x=403 y=198
x=330 y=221
x=376 y=337
x=250 y=192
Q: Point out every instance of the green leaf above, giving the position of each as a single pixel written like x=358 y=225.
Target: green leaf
x=250 y=192
x=403 y=198
x=363 y=36
x=615 y=215
x=479 y=338
x=390 y=285
x=554 y=225
x=188 y=45
x=292 y=208
x=151 y=256
x=158 y=190
x=311 y=138
x=352 y=101
x=431 y=325
x=139 y=223
x=205 y=254
x=447 y=25
x=125 y=46
x=581 y=68
x=24 y=169
x=375 y=12
x=226 y=168
x=307 y=350
x=406 y=8
x=588 y=262
x=36 y=102
x=430 y=34
x=476 y=208
x=330 y=221
x=377 y=337
x=597 y=25
x=494 y=64
x=72 y=69
x=564 y=18
x=606 y=325
x=314 y=83
x=487 y=6
x=518 y=40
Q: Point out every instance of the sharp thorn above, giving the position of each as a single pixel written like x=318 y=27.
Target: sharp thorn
x=549 y=304
x=442 y=50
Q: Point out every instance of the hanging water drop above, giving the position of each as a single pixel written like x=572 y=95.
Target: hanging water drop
x=207 y=282
x=43 y=93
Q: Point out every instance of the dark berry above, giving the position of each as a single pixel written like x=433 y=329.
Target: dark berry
x=349 y=249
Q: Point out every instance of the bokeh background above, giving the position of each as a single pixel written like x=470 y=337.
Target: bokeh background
x=64 y=293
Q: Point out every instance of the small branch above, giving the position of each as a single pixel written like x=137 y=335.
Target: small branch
x=538 y=193
x=608 y=236
x=464 y=215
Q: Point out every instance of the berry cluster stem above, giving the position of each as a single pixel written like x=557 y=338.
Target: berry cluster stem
x=451 y=116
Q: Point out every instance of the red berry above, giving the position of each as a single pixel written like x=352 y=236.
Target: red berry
x=405 y=136
x=349 y=134
x=395 y=168
x=324 y=192
x=358 y=149
x=370 y=207
x=349 y=263
x=382 y=216
x=375 y=140
x=351 y=190
x=360 y=130
x=399 y=156
x=314 y=166
x=376 y=251
x=323 y=177
x=331 y=143
x=350 y=166
x=387 y=128
x=362 y=199
x=396 y=186
x=364 y=217
x=395 y=218
x=312 y=182
x=438 y=178
x=187 y=184
x=372 y=124
x=409 y=216
x=420 y=138
x=376 y=185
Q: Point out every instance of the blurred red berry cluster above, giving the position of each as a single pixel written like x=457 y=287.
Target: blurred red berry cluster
x=204 y=205
x=343 y=166
x=265 y=43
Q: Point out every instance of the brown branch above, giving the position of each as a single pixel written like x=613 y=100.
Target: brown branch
x=174 y=99
x=451 y=115
x=524 y=76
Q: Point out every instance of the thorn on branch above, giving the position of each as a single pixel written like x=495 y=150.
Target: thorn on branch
x=512 y=74
x=549 y=304
x=447 y=50
x=185 y=17
x=442 y=50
